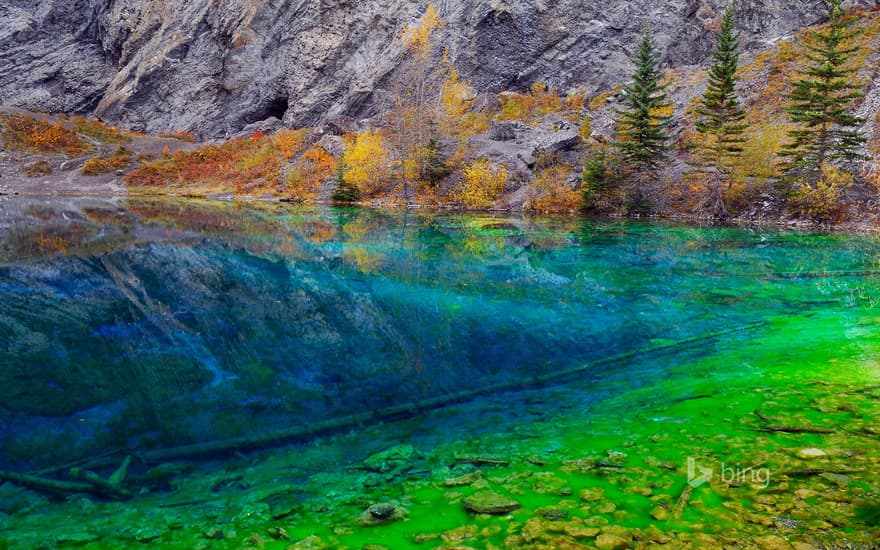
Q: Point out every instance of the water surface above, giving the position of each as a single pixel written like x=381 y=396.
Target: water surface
x=140 y=328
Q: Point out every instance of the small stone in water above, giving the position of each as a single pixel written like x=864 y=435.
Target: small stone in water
x=381 y=514
x=553 y=514
x=461 y=481
x=214 y=534
x=811 y=453
x=382 y=511
x=278 y=533
x=488 y=502
x=147 y=534
x=592 y=495
x=607 y=541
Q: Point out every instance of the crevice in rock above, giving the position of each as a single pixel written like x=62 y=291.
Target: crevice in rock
x=276 y=107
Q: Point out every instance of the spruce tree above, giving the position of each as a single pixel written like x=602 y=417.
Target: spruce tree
x=822 y=100
x=643 y=123
x=343 y=191
x=598 y=182
x=720 y=115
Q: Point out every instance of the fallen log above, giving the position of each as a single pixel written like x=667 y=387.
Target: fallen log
x=46 y=485
x=683 y=500
x=279 y=437
x=817 y=472
x=770 y=428
x=86 y=482
x=795 y=430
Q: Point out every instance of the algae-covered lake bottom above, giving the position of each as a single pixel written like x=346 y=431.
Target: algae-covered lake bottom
x=311 y=377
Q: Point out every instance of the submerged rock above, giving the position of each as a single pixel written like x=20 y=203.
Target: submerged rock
x=396 y=459
x=77 y=538
x=490 y=502
x=381 y=514
x=461 y=481
x=811 y=453
x=148 y=534
x=607 y=541
x=594 y=494
x=312 y=542
x=278 y=533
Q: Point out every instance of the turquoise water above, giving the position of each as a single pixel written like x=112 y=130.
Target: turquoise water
x=149 y=328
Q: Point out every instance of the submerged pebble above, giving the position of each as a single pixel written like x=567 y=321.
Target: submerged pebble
x=811 y=453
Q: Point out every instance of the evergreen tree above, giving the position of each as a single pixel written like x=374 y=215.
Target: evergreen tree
x=643 y=123
x=433 y=168
x=599 y=182
x=821 y=102
x=720 y=115
x=343 y=191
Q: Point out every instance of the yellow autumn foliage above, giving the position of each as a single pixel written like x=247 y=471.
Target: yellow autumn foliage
x=484 y=182
x=823 y=201
x=540 y=101
x=367 y=163
x=417 y=39
x=555 y=195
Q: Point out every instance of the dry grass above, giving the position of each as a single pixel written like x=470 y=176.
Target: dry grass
x=180 y=135
x=539 y=102
x=37 y=169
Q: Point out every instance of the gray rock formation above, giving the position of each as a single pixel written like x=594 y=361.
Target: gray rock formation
x=215 y=66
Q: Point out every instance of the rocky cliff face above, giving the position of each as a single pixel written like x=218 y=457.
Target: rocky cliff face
x=214 y=66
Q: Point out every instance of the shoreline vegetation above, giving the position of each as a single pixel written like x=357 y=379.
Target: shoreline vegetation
x=769 y=141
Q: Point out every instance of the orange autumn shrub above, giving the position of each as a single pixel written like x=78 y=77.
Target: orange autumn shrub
x=29 y=133
x=314 y=168
x=242 y=165
x=120 y=159
x=290 y=142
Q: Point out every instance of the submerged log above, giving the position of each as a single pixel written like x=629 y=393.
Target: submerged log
x=86 y=482
x=770 y=428
x=795 y=430
x=817 y=472
x=277 y=438
x=683 y=500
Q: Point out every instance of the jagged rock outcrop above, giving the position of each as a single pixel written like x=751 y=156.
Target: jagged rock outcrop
x=215 y=66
